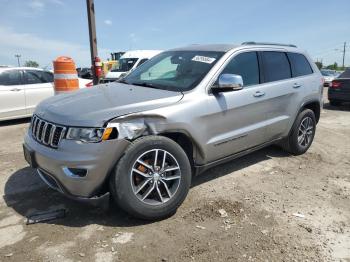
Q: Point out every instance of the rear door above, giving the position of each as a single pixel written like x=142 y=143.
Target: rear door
x=12 y=101
x=283 y=92
x=38 y=86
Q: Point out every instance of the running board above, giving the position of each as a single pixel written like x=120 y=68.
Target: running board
x=201 y=168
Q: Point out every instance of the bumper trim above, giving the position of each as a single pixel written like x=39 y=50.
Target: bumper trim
x=52 y=184
x=97 y=200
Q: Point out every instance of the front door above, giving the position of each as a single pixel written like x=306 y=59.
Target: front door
x=12 y=101
x=38 y=86
x=237 y=119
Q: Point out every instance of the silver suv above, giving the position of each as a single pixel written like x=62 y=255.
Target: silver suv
x=181 y=112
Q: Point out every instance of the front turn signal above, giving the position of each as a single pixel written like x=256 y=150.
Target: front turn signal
x=107 y=133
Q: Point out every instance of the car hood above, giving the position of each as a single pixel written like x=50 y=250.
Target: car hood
x=94 y=106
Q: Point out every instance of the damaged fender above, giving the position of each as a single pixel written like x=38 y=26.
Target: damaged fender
x=133 y=126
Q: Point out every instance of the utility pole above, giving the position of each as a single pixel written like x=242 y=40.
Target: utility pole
x=18 y=56
x=92 y=37
x=344 y=54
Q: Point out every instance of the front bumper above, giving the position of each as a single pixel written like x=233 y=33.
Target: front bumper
x=53 y=165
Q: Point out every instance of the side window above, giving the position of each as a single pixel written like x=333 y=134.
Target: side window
x=300 y=65
x=34 y=77
x=276 y=66
x=48 y=76
x=10 y=78
x=142 y=61
x=245 y=65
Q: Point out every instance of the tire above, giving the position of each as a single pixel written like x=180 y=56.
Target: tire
x=334 y=103
x=126 y=180
x=291 y=143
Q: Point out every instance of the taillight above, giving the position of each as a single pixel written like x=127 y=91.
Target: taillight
x=335 y=84
x=90 y=84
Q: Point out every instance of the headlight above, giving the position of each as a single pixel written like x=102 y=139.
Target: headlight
x=92 y=135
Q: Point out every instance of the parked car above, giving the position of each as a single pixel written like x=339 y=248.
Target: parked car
x=22 y=88
x=127 y=62
x=182 y=112
x=339 y=90
x=338 y=73
x=84 y=72
x=328 y=76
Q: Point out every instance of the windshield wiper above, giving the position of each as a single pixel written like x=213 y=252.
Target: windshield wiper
x=122 y=81
x=145 y=84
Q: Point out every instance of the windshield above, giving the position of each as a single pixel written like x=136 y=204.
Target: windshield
x=174 y=70
x=124 y=64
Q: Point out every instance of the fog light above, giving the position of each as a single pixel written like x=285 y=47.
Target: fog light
x=75 y=172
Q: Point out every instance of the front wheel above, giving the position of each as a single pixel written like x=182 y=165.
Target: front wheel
x=302 y=134
x=152 y=178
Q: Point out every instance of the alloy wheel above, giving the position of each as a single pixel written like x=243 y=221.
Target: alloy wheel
x=155 y=177
x=305 y=132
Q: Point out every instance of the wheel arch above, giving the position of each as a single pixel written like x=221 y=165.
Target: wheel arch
x=315 y=106
x=190 y=147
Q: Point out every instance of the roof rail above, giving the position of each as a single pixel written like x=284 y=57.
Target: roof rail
x=266 y=43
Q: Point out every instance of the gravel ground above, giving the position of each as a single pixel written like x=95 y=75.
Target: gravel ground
x=267 y=206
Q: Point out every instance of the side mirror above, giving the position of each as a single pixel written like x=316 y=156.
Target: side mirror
x=228 y=82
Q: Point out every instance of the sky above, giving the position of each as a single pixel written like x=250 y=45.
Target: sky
x=42 y=30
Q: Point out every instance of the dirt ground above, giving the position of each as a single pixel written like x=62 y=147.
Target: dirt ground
x=277 y=207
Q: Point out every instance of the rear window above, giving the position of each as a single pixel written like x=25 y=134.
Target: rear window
x=48 y=76
x=34 y=77
x=142 y=61
x=345 y=74
x=300 y=65
x=276 y=66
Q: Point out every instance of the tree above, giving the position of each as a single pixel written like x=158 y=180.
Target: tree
x=31 y=63
x=333 y=67
x=319 y=64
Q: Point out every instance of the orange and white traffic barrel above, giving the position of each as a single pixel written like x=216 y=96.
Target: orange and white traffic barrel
x=65 y=75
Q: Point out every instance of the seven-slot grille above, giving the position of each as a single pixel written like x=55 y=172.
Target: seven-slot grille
x=46 y=133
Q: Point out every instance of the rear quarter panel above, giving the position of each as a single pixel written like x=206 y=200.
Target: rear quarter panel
x=311 y=91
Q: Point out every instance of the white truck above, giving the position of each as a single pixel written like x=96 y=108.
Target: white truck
x=129 y=61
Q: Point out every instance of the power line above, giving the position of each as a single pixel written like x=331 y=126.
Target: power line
x=329 y=48
x=18 y=56
x=332 y=52
x=344 y=50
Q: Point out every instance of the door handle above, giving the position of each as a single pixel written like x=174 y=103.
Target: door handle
x=296 y=85
x=259 y=94
x=15 y=89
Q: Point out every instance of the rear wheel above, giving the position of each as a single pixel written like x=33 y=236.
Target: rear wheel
x=302 y=134
x=152 y=179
